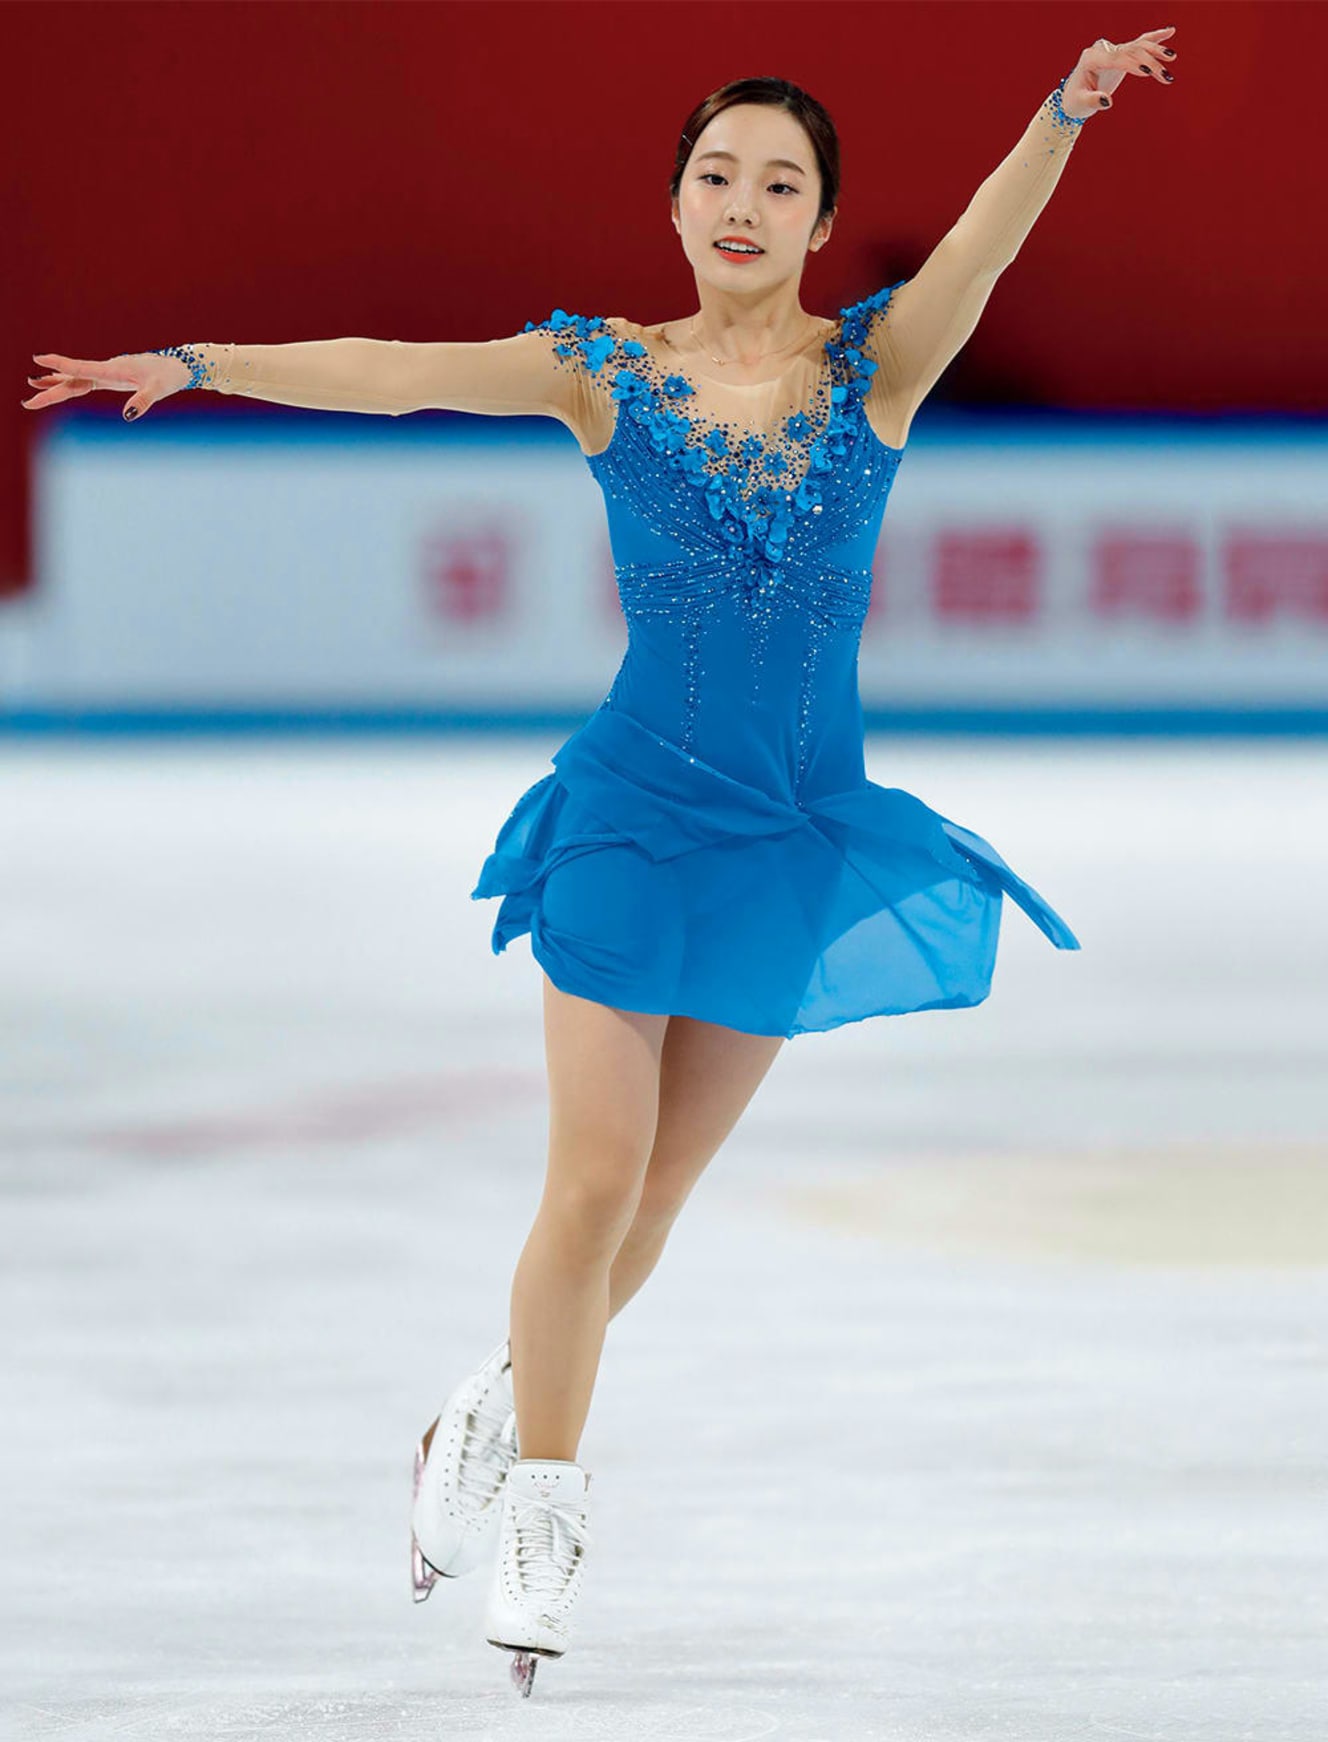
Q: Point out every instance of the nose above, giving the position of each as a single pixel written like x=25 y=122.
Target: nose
x=740 y=203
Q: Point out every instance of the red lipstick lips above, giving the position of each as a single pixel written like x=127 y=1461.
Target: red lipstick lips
x=744 y=243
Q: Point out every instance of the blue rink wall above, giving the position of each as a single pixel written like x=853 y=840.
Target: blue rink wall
x=1040 y=574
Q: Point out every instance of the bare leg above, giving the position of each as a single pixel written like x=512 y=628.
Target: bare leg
x=603 y=1069
x=708 y=1074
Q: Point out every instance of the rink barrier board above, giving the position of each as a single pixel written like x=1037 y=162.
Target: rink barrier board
x=1039 y=574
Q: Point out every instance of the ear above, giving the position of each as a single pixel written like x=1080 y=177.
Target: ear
x=821 y=231
x=673 y=211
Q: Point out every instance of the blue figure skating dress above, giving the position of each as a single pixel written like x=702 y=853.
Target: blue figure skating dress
x=708 y=843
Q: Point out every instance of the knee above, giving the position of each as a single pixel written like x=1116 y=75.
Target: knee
x=594 y=1209
x=657 y=1209
x=668 y=1183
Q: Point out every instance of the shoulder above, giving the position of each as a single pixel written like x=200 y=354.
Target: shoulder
x=589 y=341
x=858 y=318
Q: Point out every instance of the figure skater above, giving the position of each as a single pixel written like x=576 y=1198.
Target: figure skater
x=707 y=871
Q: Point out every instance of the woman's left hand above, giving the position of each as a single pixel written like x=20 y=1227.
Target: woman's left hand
x=1101 y=68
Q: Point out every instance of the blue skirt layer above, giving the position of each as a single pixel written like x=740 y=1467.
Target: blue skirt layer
x=651 y=881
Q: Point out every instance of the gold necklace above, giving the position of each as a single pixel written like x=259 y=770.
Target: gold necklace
x=725 y=361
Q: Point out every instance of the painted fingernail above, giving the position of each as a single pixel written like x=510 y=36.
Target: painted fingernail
x=1167 y=78
x=1104 y=102
x=1170 y=53
x=131 y=411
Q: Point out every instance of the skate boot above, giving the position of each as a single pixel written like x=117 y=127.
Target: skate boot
x=460 y=1464
x=542 y=1542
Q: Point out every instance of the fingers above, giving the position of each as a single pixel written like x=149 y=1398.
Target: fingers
x=1141 y=57
x=72 y=379
x=1150 y=48
x=56 y=395
x=53 y=390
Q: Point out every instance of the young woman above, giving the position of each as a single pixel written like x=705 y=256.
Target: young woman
x=707 y=871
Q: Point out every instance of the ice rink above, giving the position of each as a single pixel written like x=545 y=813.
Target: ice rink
x=980 y=1393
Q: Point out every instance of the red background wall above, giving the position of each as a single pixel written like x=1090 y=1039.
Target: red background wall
x=269 y=170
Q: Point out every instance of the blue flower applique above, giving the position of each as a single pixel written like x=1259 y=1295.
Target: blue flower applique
x=717 y=441
x=677 y=386
x=668 y=431
x=776 y=464
x=582 y=325
x=799 y=427
x=630 y=385
x=717 y=495
x=857 y=319
x=777 y=537
x=597 y=351
x=755 y=526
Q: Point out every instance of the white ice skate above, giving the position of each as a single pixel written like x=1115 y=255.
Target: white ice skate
x=542 y=1542
x=460 y=1466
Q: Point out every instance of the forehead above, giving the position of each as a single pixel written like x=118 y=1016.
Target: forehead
x=757 y=133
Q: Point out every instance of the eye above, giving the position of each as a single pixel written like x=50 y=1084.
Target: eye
x=714 y=175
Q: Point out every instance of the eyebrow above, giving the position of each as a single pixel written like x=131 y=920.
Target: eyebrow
x=775 y=162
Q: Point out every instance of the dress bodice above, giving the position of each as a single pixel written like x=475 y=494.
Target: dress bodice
x=743 y=552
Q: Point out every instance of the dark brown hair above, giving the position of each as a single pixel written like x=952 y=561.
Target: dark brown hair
x=776 y=94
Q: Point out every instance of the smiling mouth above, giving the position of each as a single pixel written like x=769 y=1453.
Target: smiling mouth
x=744 y=252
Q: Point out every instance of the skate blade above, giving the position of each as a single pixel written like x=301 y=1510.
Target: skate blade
x=525 y=1661
x=523 y=1673
x=423 y=1576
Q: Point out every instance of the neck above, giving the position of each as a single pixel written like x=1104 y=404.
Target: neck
x=747 y=328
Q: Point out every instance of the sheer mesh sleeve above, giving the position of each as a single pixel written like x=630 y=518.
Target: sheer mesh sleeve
x=543 y=370
x=913 y=330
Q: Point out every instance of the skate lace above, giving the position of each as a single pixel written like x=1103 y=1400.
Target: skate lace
x=550 y=1540
x=485 y=1456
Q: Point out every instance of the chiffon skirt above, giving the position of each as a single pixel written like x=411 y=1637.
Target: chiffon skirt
x=651 y=881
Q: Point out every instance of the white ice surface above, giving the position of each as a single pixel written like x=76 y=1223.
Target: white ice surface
x=980 y=1392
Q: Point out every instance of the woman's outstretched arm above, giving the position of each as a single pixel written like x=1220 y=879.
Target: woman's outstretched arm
x=932 y=314
x=505 y=377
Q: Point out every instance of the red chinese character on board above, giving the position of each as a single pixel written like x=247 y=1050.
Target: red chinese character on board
x=1153 y=575
x=986 y=576
x=1276 y=575
x=468 y=574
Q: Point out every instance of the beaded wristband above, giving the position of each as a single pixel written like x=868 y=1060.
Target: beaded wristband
x=200 y=370
x=1058 y=116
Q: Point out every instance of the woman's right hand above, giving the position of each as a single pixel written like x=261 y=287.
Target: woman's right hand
x=143 y=374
